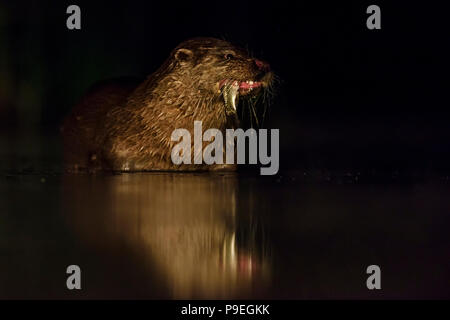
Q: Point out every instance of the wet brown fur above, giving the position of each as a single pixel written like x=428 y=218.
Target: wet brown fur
x=127 y=125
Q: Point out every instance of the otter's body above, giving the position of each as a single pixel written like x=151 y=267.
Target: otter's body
x=127 y=125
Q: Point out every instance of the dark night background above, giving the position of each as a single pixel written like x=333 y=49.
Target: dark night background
x=349 y=97
x=364 y=160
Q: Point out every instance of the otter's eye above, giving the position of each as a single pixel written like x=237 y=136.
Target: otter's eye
x=229 y=56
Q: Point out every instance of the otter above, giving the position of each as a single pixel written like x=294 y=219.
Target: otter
x=126 y=125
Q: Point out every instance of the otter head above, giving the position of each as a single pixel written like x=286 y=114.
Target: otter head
x=226 y=71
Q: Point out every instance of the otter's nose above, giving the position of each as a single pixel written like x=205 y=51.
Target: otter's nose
x=264 y=66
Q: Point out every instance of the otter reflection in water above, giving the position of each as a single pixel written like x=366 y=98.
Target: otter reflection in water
x=192 y=228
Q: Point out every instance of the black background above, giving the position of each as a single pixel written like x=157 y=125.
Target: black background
x=353 y=105
x=350 y=98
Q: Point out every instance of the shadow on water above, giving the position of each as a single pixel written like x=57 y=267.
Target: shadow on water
x=191 y=229
x=297 y=235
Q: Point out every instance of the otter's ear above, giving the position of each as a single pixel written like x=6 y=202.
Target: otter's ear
x=183 y=55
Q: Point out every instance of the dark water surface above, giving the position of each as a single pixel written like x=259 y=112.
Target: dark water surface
x=179 y=235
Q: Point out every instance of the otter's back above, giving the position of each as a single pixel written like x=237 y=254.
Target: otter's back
x=81 y=128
